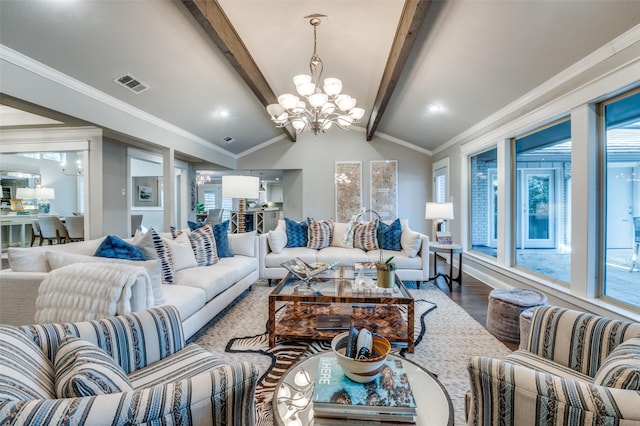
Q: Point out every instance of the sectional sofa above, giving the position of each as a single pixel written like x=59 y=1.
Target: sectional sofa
x=411 y=261
x=198 y=292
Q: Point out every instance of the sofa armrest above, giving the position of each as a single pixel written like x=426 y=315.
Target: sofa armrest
x=18 y=294
x=504 y=393
x=263 y=251
x=221 y=396
x=424 y=254
x=578 y=340
x=133 y=341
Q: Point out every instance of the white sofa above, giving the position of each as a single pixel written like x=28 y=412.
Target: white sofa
x=412 y=262
x=199 y=293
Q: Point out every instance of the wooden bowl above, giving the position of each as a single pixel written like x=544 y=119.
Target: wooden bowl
x=361 y=370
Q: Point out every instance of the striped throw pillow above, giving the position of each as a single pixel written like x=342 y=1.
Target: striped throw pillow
x=365 y=235
x=166 y=257
x=83 y=369
x=621 y=369
x=319 y=233
x=23 y=363
x=203 y=244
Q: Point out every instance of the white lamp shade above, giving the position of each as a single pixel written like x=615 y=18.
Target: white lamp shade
x=345 y=102
x=301 y=79
x=45 y=193
x=25 y=193
x=305 y=89
x=328 y=108
x=275 y=110
x=318 y=99
x=332 y=86
x=345 y=120
x=356 y=113
x=240 y=187
x=439 y=211
x=288 y=101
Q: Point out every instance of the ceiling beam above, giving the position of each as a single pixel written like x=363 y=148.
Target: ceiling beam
x=413 y=15
x=215 y=23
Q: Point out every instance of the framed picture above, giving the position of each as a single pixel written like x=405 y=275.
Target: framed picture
x=16 y=205
x=348 y=187
x=384 y=188
x=147 y=191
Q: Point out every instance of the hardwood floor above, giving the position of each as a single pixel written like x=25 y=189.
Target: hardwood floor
x=472 y=296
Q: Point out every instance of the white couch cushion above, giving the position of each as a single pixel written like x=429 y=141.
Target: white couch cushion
x=410 y=242
x=58 y=260
x=346 y=256
x=144 y=241
x=183 y=256
x=243 y=244
x=34 y=259
x=274 y=260
x=400 y=259
x=217 y=278
x=278 y=238
x=188 y=300
x=340 y=230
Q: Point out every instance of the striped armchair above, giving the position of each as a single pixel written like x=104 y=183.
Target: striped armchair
x=171 y=384
x=574 y=370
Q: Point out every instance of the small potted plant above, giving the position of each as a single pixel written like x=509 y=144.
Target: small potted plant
x=386 y=273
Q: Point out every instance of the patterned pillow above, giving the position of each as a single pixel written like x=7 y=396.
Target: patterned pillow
x=193 y=225
x=365 y=235
x=83 y=369
x=319 y=233
x=115 y=248
x=389 y=235
x=221 y=234
x=203 y=244
x=166 y=257
x=25 y=363
x=296 y=233
x=621 y=369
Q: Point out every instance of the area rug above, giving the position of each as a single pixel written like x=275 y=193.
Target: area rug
x=446 y=338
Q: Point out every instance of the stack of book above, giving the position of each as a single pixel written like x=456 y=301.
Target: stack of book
x=368 y=269
x=388 y=398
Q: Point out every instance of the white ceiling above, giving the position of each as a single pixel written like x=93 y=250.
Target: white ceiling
x=471 y=57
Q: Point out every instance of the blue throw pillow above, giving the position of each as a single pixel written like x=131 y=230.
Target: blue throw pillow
x=221 y=235
x=115 y=248
x=296 y=233
x=389 y=235
x=193 y=226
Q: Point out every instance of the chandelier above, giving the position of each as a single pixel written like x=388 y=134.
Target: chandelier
x=325 y=107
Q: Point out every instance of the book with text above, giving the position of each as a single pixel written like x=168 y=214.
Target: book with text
x=387 y=398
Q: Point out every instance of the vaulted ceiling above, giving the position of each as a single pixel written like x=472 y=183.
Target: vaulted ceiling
x=211 y=66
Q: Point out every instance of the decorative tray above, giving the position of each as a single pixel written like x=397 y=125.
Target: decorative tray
x=306 y=272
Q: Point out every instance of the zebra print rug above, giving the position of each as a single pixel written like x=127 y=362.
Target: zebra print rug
x=446 y=337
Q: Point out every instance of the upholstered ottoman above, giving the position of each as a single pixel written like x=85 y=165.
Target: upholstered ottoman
x=505 y=307
x=525 y=325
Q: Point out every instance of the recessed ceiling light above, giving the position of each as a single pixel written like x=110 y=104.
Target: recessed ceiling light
x=434 y=108
x=224 y=113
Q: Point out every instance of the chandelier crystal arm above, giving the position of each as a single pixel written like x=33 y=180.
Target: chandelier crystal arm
x=321 y=113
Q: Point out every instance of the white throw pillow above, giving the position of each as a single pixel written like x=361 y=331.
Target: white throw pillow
x=57 y=260
x=339 y=232
x=144 y=241
x=243 y=244
x=183 y=256
x=278 y=238
x=410 y=242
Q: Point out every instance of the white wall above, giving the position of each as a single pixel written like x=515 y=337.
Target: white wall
x=316 y=157
x=115 y=181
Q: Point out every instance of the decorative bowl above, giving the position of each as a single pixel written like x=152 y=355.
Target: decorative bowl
x=361 y=370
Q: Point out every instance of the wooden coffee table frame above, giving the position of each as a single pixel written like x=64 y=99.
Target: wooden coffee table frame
x=379 y=312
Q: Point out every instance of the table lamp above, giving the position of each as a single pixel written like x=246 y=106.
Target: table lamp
x=43 y=195
x=242 y=188
x=439 y=213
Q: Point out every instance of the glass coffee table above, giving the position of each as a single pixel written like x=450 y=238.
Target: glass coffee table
x=386 y=311
x=292 y=397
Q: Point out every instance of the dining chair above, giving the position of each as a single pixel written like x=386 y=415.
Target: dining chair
x=136 y=223
x=214 y=217
x=35 y=232
x=52 y=229
x=75 y=228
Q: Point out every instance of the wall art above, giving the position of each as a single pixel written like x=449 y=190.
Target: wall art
x=384 y=188
x=348 y=186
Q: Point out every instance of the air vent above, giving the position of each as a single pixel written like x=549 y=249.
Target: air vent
x=131 y=83
x=227 y=139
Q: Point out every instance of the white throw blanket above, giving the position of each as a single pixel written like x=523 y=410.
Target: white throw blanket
x=87 y=291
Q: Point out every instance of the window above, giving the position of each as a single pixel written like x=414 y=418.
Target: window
x=621 y=206
x=543 y=180
x=440 y=185
x=484 y=206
